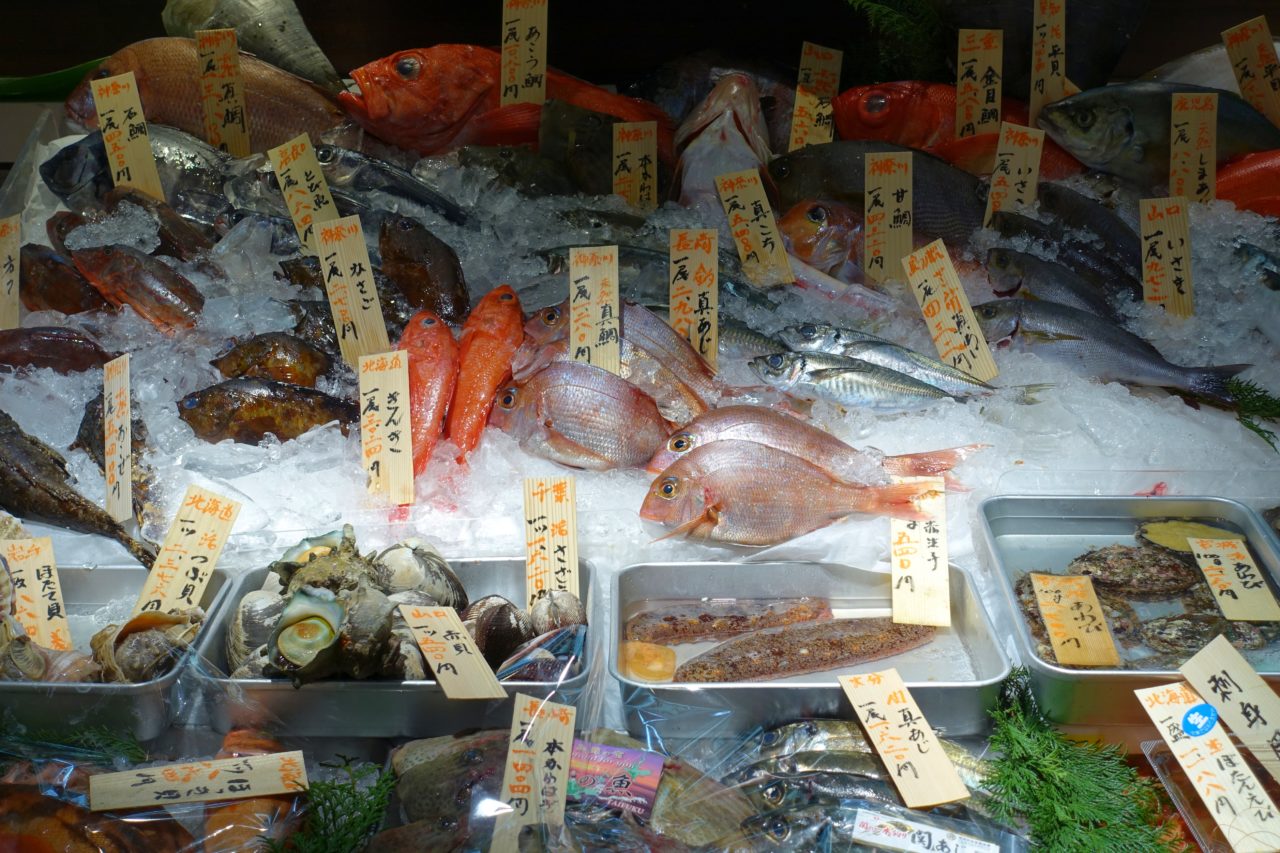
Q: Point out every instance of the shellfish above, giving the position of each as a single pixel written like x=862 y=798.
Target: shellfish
x=1140 y=572
x=415 y=564
x=557 y=609
x=146 y=646
x=304 y=644
x=255 y=617
x=323 y=561
x=22 y=660
x=498 y=627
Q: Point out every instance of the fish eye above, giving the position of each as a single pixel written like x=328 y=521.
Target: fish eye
x=405 y=224
x=101 y=73
x=408 y=67
x=808 y=330
x=428 y=322
x=1085 y=118
x=669 y=488
x=472 y=756
x=774 y=360
x=777 y=828
x=817 y=214
x=773 y=792
x=680 y=443
x=508 y=398
x=506 y=297
x=781 y=171
x=324 y=154
x=875 y=103
x=770 y=738
x=551 y=316
x=190 y=402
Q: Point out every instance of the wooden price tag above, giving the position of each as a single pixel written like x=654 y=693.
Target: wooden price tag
x=1193 y=146
x=189 y=553
x=524 y=52
x=918 y=567
x=1166 y=254
x=1016 y=173
x=595 y=329
x=1048 y=55
x=37 y=591
x=385 y=433
x=903 y=739
x=550 y=537
x=353 y=295
x=695 y=292
x=117 y=436
x=887 y=213
x=947 y=312
x=755 y=232
x=1074 y=619
x=812 y=121
x=200 y=781
x=226 y=124
x=1230 y=790
x=535 y=779
x=1245 y=702
x=1253 y=58
x=979 y=81
x=1238 y=586
x=124 y=133
x=305 y=190
x=451 y=653
x=10 y=271
x=635 y=163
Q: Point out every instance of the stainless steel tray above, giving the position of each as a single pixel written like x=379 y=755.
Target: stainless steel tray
x=371 y=708
x=955 y=678
x=144 y=709
x=1044 y=533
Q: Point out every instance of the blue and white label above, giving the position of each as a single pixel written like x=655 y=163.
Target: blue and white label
x=1199 y=720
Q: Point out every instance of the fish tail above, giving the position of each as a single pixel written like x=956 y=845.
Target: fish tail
x=1211 y=382
x=930 y=462
x=896 y=500
x=144 y=553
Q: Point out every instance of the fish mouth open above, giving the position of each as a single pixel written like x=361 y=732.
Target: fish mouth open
x=1007 y=340
x=363 y=99
x=1005 y=293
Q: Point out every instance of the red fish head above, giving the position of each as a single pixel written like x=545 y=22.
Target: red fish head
x=676 y=447
x=507 y=408
x=80 y=106
x=673 y=500
x=823 y=234
x=420 y=99
x=547 y=324
x=902 y=113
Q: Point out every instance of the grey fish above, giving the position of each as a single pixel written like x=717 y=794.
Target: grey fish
x=1124 y=129
x=949 y=202
x=1021 y=274
x=520 y=168
x=33 y=485
x=917 y=365
x=1094 y=347
x=848 y=382
x=1265 y=265
x=1208 y=66
x=1078 y=211
x=360 y=175
x=1108 y=273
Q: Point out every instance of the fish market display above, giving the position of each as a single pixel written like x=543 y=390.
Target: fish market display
x=126 y=276
x=433 y=370
x=246 y=410
x=423 y=267
x=849 y=382
x=60 y=349
x=1029 y=277
x=91 y=438
x=51 y=282
x=275 y=356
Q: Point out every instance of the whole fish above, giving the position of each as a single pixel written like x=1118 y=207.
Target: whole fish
x=1074 y=210
x=827 y=235
x=179 y=237
x=434 y=99
x=719 y=148
x=949 y=203
x=736 y=95
x=50 y=282
x=740 y=340
x=59 y=348
x=1252 y=182
x=848 y=382
x=424 y=268
x=1021 y=274
x=1096 y=348
x=489 y=341
x=359 y=175
x=922 y=115
x=811 y=337
x=803 y=649
x=91 y=438
x=33 y=486
x=245 y=410
x=520 y=167
x=126 y=276
x=794 y=436
x=439 y=780
x=277 y=356
x=1109 y=274
x=278 y=105
x=745 y=493
x=582 y=416
x=1208 y=66
x=1124 y=129
x=433 y=370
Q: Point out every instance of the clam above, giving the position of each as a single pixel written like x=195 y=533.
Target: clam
x=331 y=566
x=251 y=626
x=416 y=564
x=304 y=644
x=557 y=609
x=254 y=665
x=146 y=646
x=500 y=630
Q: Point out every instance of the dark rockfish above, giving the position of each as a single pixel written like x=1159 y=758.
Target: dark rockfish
x=33 y=485
x=245 y=410
x=50 y=282
x=275 y=355
x=56 y=347
x=424 y=268
x=91 y=438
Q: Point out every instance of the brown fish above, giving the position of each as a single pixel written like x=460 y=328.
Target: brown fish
x=62 y=223
x=179 y=237
x=126 y=276
x=91 y=438
x=245 y=410
x=274 y=355
x=279 y=106
x=751 y=494
x=33 y=486
x=305 y=272
x=59 y=348
x=582 y=416
x=33 y=822
x=50 y=282
x=424 y=267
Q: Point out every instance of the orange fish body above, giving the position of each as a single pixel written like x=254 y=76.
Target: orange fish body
x=923 y=115
x=435 y=99
x=126 y=276
x=489 y=341
x=433 y=371
x=1252 y=182
x=244 y=824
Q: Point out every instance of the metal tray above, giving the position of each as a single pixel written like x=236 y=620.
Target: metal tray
x=1044 y=533
x=144 y=709
x=374 y=707
x=955 y=678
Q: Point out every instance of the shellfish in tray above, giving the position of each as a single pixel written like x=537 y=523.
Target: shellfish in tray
x=557 y=609
x=330 y=562
x=498 y=627
x=304 y=644
x=22 y=660
x=250 y=628
x=1139 y=572
x=415 y=564
x=145 y=647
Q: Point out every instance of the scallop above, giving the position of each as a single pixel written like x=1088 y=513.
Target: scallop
x=251 y=626
x=415 y=564
x=304 y=643
x=557 y=609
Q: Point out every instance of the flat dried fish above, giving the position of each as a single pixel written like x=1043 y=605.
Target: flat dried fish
x=697 y=621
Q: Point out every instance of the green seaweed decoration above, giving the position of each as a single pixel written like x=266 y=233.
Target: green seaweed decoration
x=341 y=814
x=1253 y=404
x=910 y=41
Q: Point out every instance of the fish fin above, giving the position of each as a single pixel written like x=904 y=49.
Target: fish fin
x=1211 y=382
x=930 y=462
x=514 y=124
x=896 y=500
x=710 y=517
x=1048 y=337
x=562 y=444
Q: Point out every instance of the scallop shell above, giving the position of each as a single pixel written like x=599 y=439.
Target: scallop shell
x=304 y=643
x=251 y=626
x=557 y=609
x=146 y=646
x=416 y=564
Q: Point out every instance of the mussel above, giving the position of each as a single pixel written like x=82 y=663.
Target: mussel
x=416 y=564
x=146 y=646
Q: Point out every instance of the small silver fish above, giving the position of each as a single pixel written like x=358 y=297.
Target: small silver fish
x=848 y=382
